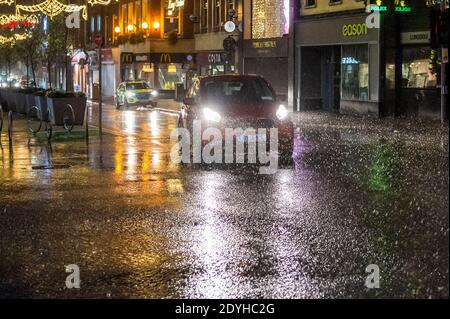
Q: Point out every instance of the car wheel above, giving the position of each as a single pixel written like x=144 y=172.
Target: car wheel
x=117 y=104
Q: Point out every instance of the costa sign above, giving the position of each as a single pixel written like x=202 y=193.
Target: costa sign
x=214 y=58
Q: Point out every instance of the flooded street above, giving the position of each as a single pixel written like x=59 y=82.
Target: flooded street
x=359 y=192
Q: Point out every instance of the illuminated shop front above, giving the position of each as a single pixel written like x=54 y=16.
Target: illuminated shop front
x=160 y=70
x=265 y=51
x=337 y=65
x=213 y=63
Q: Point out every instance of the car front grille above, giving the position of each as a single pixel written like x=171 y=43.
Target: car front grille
x=247 y=123
x=143 y=96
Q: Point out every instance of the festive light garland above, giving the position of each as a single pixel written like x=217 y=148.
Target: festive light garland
x=93 y=2
x=11 y=21
x=14 y=38
x=52 y=8
x=8 y=2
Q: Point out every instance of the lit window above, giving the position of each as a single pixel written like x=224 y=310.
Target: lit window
x=355 y=72
x=270 y=18
x=92 y=24
x=99 y=23
x=310 y=3
x=420 y=68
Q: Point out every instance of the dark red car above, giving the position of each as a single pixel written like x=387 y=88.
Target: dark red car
x=230 y=101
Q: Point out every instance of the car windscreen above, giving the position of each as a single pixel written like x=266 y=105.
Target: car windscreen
x=237 y=91
x=137 y=86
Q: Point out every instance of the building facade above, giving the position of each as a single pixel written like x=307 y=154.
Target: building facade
x=209 y=20
x=267 y=25
x=149 y=40
x=366 y=57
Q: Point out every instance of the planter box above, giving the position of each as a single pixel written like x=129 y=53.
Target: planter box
x=29 y=101
x=4 y=99
x=20 y=102
x=57 y=107
x=10 y=100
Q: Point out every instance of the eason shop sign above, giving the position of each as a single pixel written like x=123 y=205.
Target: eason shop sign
x=354 y=29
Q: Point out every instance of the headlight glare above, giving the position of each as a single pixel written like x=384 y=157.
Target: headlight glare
x=131 y=94
x=154 y=93
x=211 y=115
x=282 y=112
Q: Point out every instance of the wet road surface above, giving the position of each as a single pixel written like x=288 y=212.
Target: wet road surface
x=140 y=226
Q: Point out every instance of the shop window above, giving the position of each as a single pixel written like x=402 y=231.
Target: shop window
x=170 y=74
x=419 y=68
x=355 y=72
x=310 y=4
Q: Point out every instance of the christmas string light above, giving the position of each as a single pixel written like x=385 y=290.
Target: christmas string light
x=102 y=2
x=52 y=8
x=14 y=38
x=6 y=19
x=8 y=2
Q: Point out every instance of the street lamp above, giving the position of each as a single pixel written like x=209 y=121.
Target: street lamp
x=117 y=29
x=144 y=25
x=130 y=27
x=156 y=25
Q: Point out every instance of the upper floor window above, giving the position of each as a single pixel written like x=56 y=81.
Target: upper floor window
x=204 y=15
x=310 y=3
x=270 y=18
x=171 y=19
x=99 y=23
x=333 y=2
x=217 y=13
x=92 y=24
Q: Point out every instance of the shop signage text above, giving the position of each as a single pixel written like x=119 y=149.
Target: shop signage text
x=214 y=58
x=126 y=58
x=415 y=37
x=384 y=6
x=264 y=44
x=354 y=29
x=141 y=58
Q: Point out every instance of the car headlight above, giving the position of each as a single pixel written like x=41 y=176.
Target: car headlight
x=154 y=93
x=282 y=112
x=17 y=84
x=211 y=115
x=131 y=94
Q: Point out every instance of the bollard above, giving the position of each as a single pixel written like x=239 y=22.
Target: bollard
x=1 y=120
x=10 y=126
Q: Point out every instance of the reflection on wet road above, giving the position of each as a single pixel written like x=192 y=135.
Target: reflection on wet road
x=139 y=226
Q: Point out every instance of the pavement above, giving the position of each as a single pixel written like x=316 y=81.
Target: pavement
x=360 y=192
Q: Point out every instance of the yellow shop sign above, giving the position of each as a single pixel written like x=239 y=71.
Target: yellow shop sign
x=354 y=29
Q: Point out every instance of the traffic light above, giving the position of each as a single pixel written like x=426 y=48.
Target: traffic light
x=443 y=30
x=228 y=44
